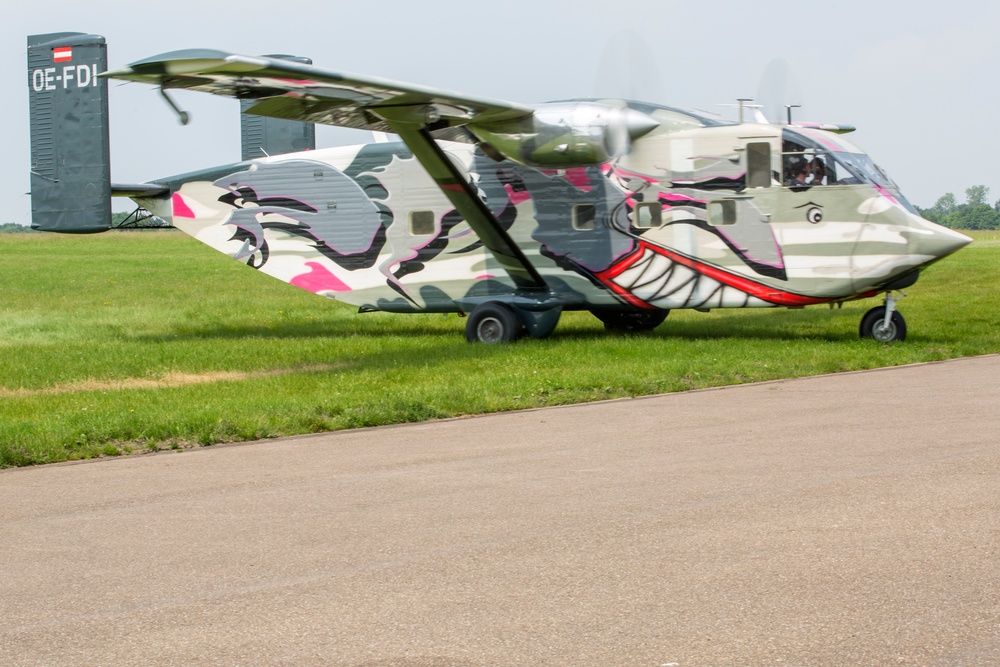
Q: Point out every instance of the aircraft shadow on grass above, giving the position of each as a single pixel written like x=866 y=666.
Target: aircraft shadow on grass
x=747 y=326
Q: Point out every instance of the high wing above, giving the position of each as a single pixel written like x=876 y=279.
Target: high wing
x=296 y=91
x=828 y=127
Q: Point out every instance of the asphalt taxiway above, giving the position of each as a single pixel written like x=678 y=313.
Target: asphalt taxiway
x=844 y=519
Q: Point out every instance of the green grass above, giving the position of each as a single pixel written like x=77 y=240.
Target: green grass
x=121 y=343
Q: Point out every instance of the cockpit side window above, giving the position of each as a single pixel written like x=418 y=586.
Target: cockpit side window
x=809 y=158
x=805 y=164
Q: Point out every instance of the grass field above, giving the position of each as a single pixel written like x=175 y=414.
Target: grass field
x=128 y=342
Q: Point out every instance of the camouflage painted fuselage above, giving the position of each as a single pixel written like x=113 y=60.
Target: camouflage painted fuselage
x=679 y=222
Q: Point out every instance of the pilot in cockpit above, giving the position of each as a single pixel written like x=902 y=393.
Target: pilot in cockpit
x=796 y=171
x=818 y=169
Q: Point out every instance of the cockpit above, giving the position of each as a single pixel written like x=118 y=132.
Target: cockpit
x=818 y=158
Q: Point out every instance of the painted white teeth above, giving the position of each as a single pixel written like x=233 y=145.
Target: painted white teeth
x=666 y=284
x=679 y=277
x=633 y=274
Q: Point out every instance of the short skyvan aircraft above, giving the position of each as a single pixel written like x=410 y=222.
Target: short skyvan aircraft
x=509 y=212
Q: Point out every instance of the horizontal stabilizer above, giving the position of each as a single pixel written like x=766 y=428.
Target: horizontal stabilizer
x=141 y=190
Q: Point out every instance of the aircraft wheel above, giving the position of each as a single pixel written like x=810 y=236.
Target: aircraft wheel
x=630 y=321
x=871 y=326
x=492 y=323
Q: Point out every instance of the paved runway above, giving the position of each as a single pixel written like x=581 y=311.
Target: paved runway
x=843 y=520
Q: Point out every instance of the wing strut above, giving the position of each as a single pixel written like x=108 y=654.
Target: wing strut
x=458 y=189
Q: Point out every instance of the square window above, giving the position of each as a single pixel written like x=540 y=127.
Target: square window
x=722 y=212
x=422 y=223
x=584 y=216
x=648 y=216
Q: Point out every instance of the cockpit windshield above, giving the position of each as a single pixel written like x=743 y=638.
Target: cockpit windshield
x=815 y=157
x=862 y=165
x=809 y=161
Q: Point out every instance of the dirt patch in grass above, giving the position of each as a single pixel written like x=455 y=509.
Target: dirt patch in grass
x=171 y=379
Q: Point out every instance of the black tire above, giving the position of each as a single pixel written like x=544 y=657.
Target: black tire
x=630 y=321
x=493 y=323
x=871 y=326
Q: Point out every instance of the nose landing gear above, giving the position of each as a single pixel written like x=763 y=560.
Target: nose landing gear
x=884 y=323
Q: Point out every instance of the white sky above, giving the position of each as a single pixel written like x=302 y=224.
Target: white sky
x=918 y=79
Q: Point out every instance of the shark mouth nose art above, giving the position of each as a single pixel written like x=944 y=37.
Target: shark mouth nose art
x=660 y=278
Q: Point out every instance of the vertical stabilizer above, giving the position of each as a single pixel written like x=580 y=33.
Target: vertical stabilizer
x=262 y=135
x=70 y=154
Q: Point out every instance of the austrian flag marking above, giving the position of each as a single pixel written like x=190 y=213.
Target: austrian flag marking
x=62 y=54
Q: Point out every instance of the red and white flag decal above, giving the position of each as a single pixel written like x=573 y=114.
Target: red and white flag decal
x=62 y=54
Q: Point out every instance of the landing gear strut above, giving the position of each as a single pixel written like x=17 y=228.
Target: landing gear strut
x=884 y=323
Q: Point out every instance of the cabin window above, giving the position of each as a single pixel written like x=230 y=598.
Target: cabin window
x=759 y=165
x=722 y=212
x=648 y=216
x=584 y=216
x=422 y=223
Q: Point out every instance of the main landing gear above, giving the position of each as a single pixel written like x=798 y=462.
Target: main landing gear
x=493 y=322
x=884 y=323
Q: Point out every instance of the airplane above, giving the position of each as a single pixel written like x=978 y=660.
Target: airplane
x=505 y=212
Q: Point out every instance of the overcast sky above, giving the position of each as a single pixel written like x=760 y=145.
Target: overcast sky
x=917 y=79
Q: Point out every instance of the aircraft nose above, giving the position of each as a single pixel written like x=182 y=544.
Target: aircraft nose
x=943 y=241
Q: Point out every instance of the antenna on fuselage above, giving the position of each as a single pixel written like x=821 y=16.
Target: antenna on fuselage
x=742 y=101
x=788 y=110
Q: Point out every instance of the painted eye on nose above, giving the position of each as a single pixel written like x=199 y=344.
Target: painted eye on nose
x=814 y=215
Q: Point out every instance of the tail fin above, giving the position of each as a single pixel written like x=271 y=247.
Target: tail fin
x=70 y=155
x=70 y=151
x=262 y=136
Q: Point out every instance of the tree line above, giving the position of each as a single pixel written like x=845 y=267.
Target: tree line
x=14 y=228
x=116 y=220
x=975 y=213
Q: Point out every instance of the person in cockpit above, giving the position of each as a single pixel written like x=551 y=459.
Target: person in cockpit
x=818 y=169
x=796 y=172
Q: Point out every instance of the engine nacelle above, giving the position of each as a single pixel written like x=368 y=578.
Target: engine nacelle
x=567 y=134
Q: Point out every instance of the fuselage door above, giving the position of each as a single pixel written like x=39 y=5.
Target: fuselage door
x=743 y=219
x=761 y=159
